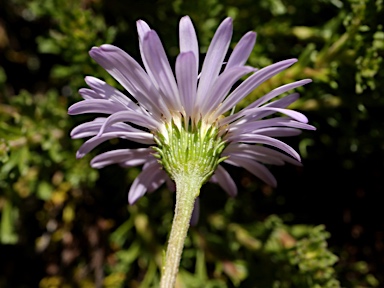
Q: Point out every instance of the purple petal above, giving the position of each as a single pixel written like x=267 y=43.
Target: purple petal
x=254 y=155
x=253 y=167
x=247 y=114
x=89 y=94
x=142 y=30
x=252 y=83
x=87 y=129
x=278 y=91
x=129 y=116
x=274 y=153
x=222 y=178
x=171 y=186
x=187 y=38
x=291 y=113
x=110 y=93
x=283 y=102
x=278 y=132
x=129 y=74
x=242 y=51
x=158 y=178
x=265 y=154
x=95 y=106
x=93 y=127
x=186 y=74
x=261 y=139
x=195 y=212
x=246 y=125
x=134 y=162
x=120 y=156
x=144 y=181
x=222 y=86
x=214 y=58
x=90 y=144
x=158 y=63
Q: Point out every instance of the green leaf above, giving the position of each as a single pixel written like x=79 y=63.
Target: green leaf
x=9 y=217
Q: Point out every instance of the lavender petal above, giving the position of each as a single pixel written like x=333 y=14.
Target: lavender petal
x=93 y=127
x=120 y=156
x=252 y=83
x=253 y=167
x=157 y=62
x=129 y=116
x=95 y=106
x=242 y=51
x=222 y=178
x=110 y=93
x=247 y=115
x=222 y=86
x=261 y=139
x=246 y=125
x=142 y=29
x=129 y=74
x=195 y=212
x=186 y=75
x=241 y=148
x=283 y=102
x=214 y=58
x=278 y=91
x=143 y=182
x=254 y=155
x=278 y=132
x=90 y=144
x=290 y=113
x=89 y=94
x=187 y=39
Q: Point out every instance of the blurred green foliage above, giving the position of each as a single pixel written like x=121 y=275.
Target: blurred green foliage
x=75 y=222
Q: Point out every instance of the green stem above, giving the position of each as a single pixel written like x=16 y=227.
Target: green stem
x=187 y=189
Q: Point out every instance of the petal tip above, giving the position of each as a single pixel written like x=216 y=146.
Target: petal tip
x=142 y=27
x=94 y=51
x=185 y=18
x=228 y=20
x=71 y=111
x=87 y=79
x=107 y=47
x=80 y=155
x=133 y=197
x=131 y=202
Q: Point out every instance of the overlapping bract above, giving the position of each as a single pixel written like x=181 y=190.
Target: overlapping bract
x=161 y=97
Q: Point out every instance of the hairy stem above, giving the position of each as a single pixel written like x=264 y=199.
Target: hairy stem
x=187 y=189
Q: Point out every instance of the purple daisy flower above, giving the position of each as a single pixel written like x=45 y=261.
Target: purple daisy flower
x=161 y=105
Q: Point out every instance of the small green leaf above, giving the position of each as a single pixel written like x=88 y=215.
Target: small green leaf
x=9 y=217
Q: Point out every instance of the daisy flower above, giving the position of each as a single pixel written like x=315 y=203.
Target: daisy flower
x=160 y=107
x=183 y=120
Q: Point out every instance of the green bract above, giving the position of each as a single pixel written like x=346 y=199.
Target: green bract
x=186 y=149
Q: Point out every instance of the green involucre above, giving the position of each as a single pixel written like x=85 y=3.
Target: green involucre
x=190 y=150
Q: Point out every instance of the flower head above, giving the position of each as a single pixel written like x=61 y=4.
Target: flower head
x=181 y=120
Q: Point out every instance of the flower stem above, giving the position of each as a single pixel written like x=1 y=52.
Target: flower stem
x=187 y=189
